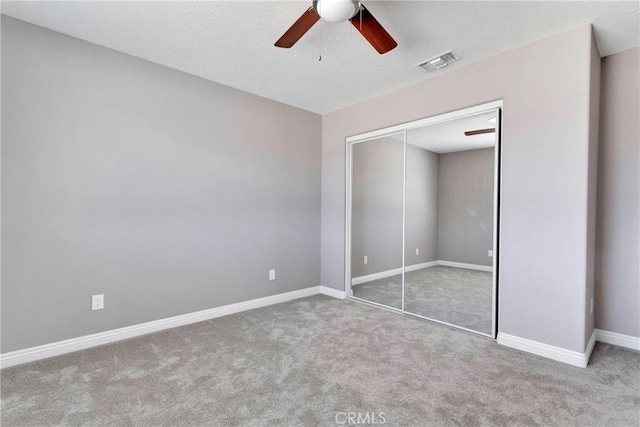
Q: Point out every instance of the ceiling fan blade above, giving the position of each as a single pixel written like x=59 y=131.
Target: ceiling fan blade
x=479 y=131
x=297 y=30
x=371 y=29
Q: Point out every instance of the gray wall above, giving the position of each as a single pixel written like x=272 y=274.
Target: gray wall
x=422 y=205
x=126 y=178
x=376 y=216
x=617 y=303
x=545 y=152
x=167 y=193
x=465 y=206
x=376 y=229
x=449 y=206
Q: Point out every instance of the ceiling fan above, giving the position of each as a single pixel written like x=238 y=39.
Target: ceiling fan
x=340 y=11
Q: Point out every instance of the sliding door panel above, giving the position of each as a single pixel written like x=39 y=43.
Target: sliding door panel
x=422 y=218
x=377 y=177
x=449 y=240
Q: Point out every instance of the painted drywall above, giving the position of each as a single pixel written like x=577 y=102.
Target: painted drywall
x=617 y=300
x=465 y=206
x=544 y=176
x=164 y=192
x=377 y=187
x=377 y=218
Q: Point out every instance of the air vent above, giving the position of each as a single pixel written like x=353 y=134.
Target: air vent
x=437 y=62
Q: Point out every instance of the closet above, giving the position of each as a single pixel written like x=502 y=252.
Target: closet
x=422 y=218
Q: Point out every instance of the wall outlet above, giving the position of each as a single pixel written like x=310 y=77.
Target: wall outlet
x=417 y=251
x=591 y=305
x=272 y=275
x=97 y=302
x=490 y=253
x=366 y=259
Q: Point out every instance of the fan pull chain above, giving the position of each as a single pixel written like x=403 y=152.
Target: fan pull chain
x=320 y=42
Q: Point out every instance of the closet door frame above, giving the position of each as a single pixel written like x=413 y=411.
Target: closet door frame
x=350 y=141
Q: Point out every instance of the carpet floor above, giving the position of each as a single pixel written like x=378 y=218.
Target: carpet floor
x=310 y=362
x=456 y=296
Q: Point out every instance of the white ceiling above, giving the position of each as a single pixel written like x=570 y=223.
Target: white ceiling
x=231 y=42
x=449 y=137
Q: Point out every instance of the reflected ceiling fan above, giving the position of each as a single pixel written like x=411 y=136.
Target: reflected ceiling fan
x=483 y=131
x=340 y=11
x=480 y=131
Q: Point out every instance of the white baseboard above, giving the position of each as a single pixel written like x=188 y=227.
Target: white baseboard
x=325 y=290
x=590 y=346
x=392 y=272
x=465 y=265
x=560 y=354
x=74 y=344
x=67 y=346
x=614 y=338
x=388 y=273
x=375 y=276
x=415 y=267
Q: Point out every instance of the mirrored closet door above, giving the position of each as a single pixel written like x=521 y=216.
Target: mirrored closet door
x=423 y=218
x=377 y=174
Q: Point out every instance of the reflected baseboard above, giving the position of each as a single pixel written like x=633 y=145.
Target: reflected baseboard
x=389 y=273
x=375 y=276
x=465 y=265
x=415 y=267
x=395 y=271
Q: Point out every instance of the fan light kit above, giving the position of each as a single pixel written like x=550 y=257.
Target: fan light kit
x=336 y=10
x=438 y=62
x=340 y=11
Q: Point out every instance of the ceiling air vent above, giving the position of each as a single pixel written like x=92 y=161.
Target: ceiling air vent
x=437 y=62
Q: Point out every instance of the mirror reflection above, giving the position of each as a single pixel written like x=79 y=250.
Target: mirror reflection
x=422 y=221
x=450 y=221
x=376 y=220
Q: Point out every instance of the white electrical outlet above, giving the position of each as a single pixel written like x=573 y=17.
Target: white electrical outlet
x=591 y=305
x=366 y=259
x=272 y=275
x=490 y=253
x=417 y=251
x=97 y=302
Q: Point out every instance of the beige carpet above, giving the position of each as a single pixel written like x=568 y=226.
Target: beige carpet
x=306 y=362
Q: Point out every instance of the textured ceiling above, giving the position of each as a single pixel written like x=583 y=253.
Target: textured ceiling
x=232 y=42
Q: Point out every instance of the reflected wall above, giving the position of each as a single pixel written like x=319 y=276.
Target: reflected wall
x=423 y=206
x=465 y=206
x=377 y=220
